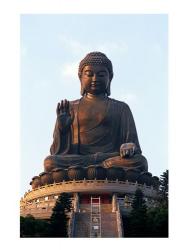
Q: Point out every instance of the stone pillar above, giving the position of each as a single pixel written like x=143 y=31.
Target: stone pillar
x=114 y=203
x=76 y=202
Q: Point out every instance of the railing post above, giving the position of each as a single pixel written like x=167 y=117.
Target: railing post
x=76 y=202
x=71 y=225
x=114 y=203
x=119 y=222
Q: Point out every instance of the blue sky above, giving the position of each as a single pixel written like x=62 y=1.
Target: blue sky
x=51 y=49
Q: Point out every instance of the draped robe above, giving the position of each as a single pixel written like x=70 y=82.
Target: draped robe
x=96 y=144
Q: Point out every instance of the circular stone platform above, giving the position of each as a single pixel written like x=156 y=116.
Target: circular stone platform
x=90 y=186
x=40 y=201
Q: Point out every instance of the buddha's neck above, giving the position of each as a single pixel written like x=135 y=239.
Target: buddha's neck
x=95 y=97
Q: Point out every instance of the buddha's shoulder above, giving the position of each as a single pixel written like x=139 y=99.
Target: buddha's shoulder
x=118 y=103
x=74 y=102
x=112 y=101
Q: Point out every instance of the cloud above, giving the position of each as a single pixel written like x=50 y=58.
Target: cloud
x=129 y=98
x=157 y=49
x=24 y=51
x=78 y=48
x=113 y=47
x=73 y=45
x=69 y=72
x=69 y=69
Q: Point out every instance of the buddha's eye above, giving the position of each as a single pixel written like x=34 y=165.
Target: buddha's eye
x=88 y=73
x=102 y=74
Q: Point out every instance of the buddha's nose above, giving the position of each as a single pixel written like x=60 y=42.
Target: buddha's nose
x=94 y=78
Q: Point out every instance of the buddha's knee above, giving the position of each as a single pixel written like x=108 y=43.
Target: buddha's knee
x=137 y=161
x=142 y=163
x=49 y=164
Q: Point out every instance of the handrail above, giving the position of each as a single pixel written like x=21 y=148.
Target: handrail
x=83 y=185
x=71 y=225
x=92 y=181
x=119 y=222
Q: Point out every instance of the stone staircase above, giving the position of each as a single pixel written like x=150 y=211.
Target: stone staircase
x=109 y=225
x=82 y=225
x=108 y=222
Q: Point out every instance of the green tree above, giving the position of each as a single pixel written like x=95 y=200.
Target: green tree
x=163 y=191
x=135 y=223
x=158 y=216
x=157 y=222
x=149 y=222
x=138 y=203
x=42 y=228
x=31 y=227
x=59 y=217
x=27 y=226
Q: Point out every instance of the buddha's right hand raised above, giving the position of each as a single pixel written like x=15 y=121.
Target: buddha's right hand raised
x=63 y=116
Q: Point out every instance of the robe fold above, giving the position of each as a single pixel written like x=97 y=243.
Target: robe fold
x=117 y=127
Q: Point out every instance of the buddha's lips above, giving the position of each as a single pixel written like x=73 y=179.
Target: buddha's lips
x=95 y=84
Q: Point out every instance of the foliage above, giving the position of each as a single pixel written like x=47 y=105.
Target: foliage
x=138 y=203
x=164 y=189
x=148 y=222
x=158 y=216
x=59 y=217
x=157 y=222
x=31 y=227
x=27 y=226
x=56 y=226
x=136 y=222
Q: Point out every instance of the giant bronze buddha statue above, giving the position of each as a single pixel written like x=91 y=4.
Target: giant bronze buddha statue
x=95 y=129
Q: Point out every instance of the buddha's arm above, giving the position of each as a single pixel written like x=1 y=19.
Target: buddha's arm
x=62 y=131
x=64 y=117
x=128 y=130
x=61 y=141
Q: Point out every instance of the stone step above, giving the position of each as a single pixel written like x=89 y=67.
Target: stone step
x=82 y=225
x=108 y=225
x=106 y=208
x=87 y=208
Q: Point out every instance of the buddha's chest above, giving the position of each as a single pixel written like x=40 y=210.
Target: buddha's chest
x=91 y=114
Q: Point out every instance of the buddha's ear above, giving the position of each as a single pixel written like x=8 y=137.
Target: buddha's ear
x=82 y=87
x=108 y=89
x=82 y=90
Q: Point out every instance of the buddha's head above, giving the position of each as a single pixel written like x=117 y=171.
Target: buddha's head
x=95 y=73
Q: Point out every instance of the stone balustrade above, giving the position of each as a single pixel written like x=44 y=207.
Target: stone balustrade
x=119 y=222
x=89 y=186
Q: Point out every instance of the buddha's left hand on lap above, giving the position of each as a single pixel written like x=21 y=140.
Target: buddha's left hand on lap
x=127 y=150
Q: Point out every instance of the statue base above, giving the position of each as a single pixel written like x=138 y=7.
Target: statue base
x=113 y=197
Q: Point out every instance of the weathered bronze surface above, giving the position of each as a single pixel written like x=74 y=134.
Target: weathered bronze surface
x=95 y=129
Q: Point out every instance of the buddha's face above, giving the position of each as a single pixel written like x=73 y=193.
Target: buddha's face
x=95 y=79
